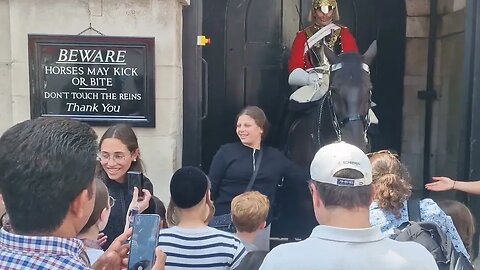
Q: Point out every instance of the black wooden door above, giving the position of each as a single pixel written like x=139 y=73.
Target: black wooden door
x=246 y=62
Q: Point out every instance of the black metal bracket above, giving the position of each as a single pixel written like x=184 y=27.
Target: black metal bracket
x=427 y=95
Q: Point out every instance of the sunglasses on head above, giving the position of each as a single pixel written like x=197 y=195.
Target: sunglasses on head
x=388 y=152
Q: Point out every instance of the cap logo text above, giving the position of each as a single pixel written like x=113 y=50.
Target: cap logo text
x=352 y=162
x=345 y=182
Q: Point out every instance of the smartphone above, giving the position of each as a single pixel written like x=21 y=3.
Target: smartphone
x=135 y=179
x=143 y=242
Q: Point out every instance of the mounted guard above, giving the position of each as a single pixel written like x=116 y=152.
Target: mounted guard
x=308 y=66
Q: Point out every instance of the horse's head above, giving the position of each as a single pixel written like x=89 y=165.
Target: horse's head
x=350 y=90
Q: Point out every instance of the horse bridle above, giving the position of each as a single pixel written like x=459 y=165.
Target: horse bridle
x=338 y=125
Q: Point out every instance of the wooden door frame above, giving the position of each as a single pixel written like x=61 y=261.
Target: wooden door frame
x=192 y=85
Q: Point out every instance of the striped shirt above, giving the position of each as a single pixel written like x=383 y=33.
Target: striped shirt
x=202 y=248
x=39 y=252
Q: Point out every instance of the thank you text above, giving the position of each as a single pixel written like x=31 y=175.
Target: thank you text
x=106 y=79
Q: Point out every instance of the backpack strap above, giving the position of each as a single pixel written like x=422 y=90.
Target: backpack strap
x=413 y=206
x=255 y=172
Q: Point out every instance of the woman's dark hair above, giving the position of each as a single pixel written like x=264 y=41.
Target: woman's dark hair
x=463 y=220
x=159 y=207
x=172 y=214
x=258 y=115
x=101 y=202
x=126 y=135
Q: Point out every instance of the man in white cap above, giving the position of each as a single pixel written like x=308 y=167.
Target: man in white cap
x=341 y=194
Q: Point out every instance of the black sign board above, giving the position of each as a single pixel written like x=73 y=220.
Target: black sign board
x=101 y=80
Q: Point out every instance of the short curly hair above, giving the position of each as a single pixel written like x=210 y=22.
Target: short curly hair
x=249 y=210
x=391 y=181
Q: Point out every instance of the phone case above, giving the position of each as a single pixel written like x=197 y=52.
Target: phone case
x=135 y=179
x=144 y=240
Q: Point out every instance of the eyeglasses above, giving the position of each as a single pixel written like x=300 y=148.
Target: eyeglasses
x=111 y=201
x=105 y=157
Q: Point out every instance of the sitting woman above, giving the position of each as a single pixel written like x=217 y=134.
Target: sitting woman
x=235 y=165
x=391 y=181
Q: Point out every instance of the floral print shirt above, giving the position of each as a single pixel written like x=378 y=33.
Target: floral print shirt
x=429 y=212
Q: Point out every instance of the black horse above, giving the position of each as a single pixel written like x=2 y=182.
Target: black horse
x=342 y=114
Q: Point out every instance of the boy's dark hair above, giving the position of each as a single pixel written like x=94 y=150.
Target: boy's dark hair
x=345 y=197
x=44 y=164
x=188 y=187
x=161 y=211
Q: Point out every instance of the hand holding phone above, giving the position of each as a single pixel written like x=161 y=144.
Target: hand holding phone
x=143 y=242
x=135 y=179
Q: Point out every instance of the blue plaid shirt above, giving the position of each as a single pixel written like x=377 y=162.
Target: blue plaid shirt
x=39 y=252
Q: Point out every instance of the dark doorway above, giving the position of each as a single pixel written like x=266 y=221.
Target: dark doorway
x=247 y=65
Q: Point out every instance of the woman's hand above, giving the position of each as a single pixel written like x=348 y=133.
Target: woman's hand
x=102 y=239
x=140 y=203
x=143 y=202
x=440 y=184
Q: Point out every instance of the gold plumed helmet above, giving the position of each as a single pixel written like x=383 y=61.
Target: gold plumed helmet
x=325 y=6
x=318 y=4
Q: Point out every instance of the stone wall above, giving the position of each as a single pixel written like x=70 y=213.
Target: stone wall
x=447 y=82
x=161 y=146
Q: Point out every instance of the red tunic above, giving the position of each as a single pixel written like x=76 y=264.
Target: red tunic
x=300 y=60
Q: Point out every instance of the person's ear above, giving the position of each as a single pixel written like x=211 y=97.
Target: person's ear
x=374 y=193
x=105 y=214
x=208 y=197
x=317 y=202
x=135 y=154
x=103 y=219
x=77 y=206
x=262 y=225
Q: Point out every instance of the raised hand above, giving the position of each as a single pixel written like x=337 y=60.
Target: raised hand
x=440 y=184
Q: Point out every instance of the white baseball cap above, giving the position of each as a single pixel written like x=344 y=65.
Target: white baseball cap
x=338 y=156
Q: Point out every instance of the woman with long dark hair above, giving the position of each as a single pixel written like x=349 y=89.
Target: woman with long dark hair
x=119 y=154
